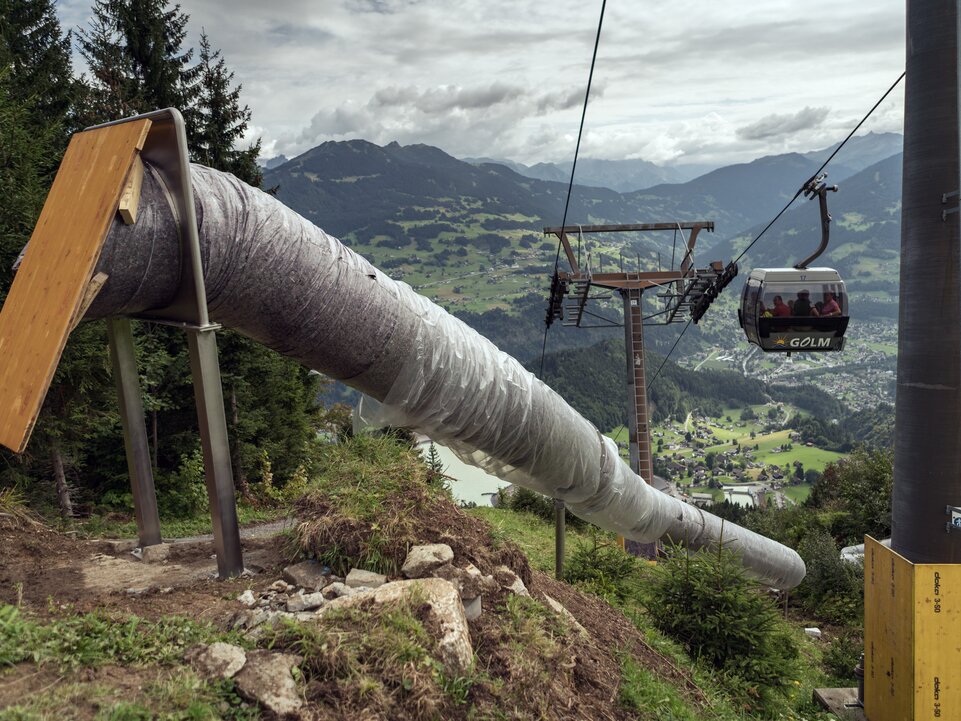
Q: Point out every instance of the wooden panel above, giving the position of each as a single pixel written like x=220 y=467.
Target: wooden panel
x=56 y=270
x=937 y=608
x=888 y=634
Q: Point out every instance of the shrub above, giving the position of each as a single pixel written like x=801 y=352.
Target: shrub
x=603 y=568
x=706 y=601
x=832 y=588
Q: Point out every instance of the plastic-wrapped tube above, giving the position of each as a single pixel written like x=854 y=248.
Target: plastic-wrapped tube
x=277 y=278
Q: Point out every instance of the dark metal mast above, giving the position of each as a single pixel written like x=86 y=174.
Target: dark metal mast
x=927 y=466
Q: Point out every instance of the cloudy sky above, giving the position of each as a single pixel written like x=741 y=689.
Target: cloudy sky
x=676 y=82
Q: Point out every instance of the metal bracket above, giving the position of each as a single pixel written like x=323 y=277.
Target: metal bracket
x=945 y=197
x=955 y=523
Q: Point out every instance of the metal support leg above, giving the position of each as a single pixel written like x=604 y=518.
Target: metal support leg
x=560 y=527
x=637 y=419
x=208 y=391
x=134 y=430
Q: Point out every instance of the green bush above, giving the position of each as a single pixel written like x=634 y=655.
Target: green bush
x=706 y=602
x=603 y=568
x=841 y=656
x=524 y=500
x=832 y=588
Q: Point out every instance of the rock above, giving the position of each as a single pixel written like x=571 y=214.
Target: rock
x=336 y=590
x=247 y=598
x=813 y=632
x=470 y=581
x=472 y=608
x=305 y=601
x=266 y=679
x=218 y=660
x=445 y=607
x=359 y=577
x=117 y=548
x=281 y=586
x=307 y=574
x=156 y=553
x=511 y=581
x=421 y=560
x=140 y=591
x=560 y=610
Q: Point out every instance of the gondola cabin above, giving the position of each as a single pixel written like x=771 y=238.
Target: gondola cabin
x=791 y=311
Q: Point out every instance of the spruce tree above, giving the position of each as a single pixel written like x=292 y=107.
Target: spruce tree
x=221 y=121
x=134 y=51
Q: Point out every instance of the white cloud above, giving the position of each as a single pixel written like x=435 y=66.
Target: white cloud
x=681 y=81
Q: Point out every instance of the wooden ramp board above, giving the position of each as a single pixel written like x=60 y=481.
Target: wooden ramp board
x=49 y=287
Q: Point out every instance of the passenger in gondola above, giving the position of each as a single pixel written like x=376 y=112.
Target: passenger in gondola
x=802 y=306
x=781 y=309
x=830 y=307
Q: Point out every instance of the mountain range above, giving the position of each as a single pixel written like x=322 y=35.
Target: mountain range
x=471 y=237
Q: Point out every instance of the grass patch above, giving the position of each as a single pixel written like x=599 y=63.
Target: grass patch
x=113 y=527
x=93 y=640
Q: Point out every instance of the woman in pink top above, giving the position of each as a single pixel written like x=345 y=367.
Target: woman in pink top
x=830 y=306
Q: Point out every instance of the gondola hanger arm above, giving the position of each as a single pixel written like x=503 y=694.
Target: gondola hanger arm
x=817 y=186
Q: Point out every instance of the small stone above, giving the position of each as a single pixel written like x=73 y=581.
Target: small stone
x=472 y=608
x=421 y=560
x=247 y=598
x=559 y=609
x=281 y=586
x=336 y=590
x=359 y=577
x=266 y=678
x=156 y=553
x=141 y=591
x=167 y=589
x=511 y=581
x=813 y=632
x=218 y=660
x=305 y=602
x=307 y=574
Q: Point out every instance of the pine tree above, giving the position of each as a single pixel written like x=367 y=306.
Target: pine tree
x=134 y=51
x=40 y=75
x=221 y=122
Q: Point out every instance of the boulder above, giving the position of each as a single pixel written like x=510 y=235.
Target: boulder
x=305 y=601
x=266 y=678
x=247 y=598
x=421 y=560
x=359 y=577
x=307 y=574
x=218 y=660
x=443 y=601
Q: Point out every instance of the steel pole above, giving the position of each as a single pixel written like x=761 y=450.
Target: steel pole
x=927 y=465
x=137 y=449
x=208 y=392
x=560 y=527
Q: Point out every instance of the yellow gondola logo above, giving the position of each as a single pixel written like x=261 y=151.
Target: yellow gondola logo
x=780 y=341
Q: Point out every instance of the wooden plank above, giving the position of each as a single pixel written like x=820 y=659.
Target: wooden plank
x=130 y=200
x=89 y=296
x=56 y=270
x=888 y=634
x=937 y=605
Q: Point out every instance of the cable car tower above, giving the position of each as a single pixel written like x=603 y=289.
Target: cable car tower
x=686 y=291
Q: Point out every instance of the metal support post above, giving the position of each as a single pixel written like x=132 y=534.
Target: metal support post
x=204 y=366
x=637 y=424
x=560 y=527
x=134 y=430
